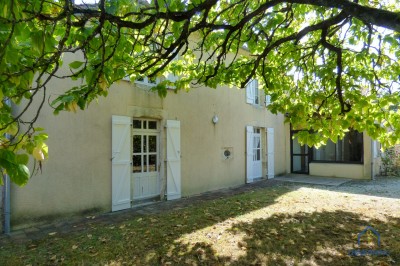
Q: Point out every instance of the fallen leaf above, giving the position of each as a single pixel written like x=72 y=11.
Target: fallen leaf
x=52 y=233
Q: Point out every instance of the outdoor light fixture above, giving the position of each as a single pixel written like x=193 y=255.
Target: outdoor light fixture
x=215 y=119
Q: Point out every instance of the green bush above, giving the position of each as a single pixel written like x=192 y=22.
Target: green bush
x=390 y=162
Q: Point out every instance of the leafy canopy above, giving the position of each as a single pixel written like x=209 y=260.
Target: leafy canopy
x=329 y=65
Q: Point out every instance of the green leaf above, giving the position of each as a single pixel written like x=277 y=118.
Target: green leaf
x=76 y=64
x=19 y=174
x=15 y=166
x=37 y=41
x=22 y=159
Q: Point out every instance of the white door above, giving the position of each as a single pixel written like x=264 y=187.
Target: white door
x=121 y=162
x=253 y=154
x=173 y=159
x=270 y=153
x=145 y=159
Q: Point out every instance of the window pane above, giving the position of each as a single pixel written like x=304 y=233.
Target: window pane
x=353 y=146
x=152 y=124
x=153 y=163
x=152 y=143
x=144 y=124
x=325 y=153
x=137 y=143
x=137 y=124
x=349 y=149
x=340 y=150
x=299 y=149
x=300 y=163
x=137 y=164
x=256 y=98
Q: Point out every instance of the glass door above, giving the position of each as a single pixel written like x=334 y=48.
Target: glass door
x=300 y=155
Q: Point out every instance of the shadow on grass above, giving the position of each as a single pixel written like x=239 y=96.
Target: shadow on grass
x=312 y=239
x=185 y=237
x=140 y=239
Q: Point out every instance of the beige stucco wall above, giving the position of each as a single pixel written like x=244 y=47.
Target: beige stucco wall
x=77 y=176
x=337 y=170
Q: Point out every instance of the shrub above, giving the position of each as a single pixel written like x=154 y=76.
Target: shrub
x=390 y=162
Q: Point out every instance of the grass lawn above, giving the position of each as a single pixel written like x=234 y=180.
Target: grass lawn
x=283 y=225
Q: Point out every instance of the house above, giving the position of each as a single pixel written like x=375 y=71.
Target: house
x=135 y=147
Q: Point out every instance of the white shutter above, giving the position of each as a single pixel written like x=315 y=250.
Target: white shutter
x=121 y=162
x=267 y=100
x=173 y=159
x=250 y=92
x=249 y=153
x=270 y=153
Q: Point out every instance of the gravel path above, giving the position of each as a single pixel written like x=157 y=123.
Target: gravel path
x=382 y=187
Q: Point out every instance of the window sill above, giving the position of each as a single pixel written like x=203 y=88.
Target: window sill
x=337 y=162
x=257 y=106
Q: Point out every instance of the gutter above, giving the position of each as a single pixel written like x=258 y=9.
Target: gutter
x=372 y=159
x=6 y=204
x=6 y=193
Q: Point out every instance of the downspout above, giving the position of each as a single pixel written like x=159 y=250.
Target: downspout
x=372 y=159
x=6 y=193
x=7 y=205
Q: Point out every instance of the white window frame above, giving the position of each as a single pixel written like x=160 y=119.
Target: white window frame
x=146 y=81
x=267 y=99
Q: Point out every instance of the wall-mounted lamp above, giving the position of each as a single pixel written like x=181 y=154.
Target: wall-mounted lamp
x=215 y=119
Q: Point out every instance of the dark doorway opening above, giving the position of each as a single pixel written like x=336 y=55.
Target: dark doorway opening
x=300 y=155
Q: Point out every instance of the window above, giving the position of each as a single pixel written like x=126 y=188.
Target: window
x=349 y=149
x=144 y=146
x=252 y=92
x=147 y=81
x=144 y=80
x=267 y=100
